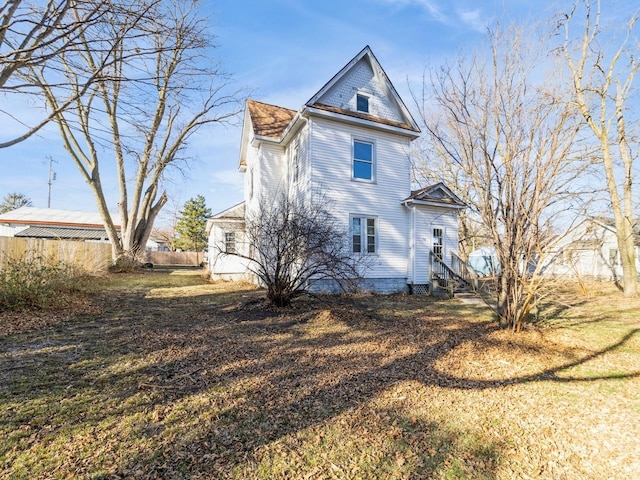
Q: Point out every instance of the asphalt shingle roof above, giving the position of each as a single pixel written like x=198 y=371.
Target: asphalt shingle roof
x=269 y=120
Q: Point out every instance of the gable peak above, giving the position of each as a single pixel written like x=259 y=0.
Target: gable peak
x=362 y=89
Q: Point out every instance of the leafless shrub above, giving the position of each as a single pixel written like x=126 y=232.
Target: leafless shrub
x=292 y=245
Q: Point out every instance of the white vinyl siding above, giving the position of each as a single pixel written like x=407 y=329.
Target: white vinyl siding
x=331 y=146
x=226 y=267
x=427 y=219
x=589 y=251
x=269 y=174
x=299 y=188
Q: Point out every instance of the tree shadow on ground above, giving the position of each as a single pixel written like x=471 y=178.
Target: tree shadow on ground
x=213 y=382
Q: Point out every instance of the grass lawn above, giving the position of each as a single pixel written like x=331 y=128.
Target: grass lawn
x=162 y=375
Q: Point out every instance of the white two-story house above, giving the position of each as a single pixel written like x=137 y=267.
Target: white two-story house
x=352 y=142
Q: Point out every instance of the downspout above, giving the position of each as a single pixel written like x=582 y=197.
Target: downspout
x=412 y=241
x=413 y=244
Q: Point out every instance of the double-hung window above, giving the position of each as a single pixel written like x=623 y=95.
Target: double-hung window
x=230 y=242
x=363 y=235
x=362 y=160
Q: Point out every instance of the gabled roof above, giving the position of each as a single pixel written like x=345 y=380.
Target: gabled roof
x=55 y=217
x=235 y=212
x=232 y=215
x=438 y=194
x=269 y=120
x=367 y=55
x=266 y=122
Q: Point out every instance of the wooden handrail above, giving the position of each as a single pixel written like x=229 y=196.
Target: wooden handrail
x=462 y=269
x=441 y=272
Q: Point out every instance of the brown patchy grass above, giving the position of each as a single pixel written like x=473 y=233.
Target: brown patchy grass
x=166 y=376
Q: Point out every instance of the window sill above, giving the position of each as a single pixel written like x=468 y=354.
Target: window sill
x=362 y=180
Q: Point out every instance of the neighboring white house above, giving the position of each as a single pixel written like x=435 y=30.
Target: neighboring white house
x=50 y=223
x=351 y=141
x=590 y=250
x=32 y=222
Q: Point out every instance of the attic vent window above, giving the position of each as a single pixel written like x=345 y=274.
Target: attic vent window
x=362 y=103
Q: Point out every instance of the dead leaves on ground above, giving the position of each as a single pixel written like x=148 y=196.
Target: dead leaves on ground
x=222 y=385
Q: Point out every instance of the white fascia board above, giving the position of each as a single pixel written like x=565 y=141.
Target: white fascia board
x=246 y=131
x=360 y=122
x=292 y=128
x=427 y=203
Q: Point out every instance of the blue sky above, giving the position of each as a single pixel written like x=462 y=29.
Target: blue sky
x=283 y=51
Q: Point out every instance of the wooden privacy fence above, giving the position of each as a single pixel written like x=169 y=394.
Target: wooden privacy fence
x=91 y=256
x=174 y=258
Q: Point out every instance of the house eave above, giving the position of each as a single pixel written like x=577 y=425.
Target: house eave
x=307 y=111
x=428 y=203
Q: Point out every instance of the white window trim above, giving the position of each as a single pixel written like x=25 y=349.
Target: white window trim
x=363 y=238
x=373 y=159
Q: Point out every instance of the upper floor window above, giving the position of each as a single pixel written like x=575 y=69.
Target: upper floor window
x=363 y=235
x=230 y=242
x=362 y=103
x=362 y=160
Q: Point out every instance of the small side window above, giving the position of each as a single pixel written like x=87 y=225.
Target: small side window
x=362 y=103
x=230 y=242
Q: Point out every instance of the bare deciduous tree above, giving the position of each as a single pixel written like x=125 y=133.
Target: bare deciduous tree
x=602 y=89
x=33 y=33
x=505 y=135
x=291 y=246
x=156 y=88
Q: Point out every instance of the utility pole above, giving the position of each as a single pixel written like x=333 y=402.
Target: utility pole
x=52 y=177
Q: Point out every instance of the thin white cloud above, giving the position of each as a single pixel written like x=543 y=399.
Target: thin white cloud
x=434 y=10
x=431 y=7
x=440 y=12
x=474 y=19
x=229 y=178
